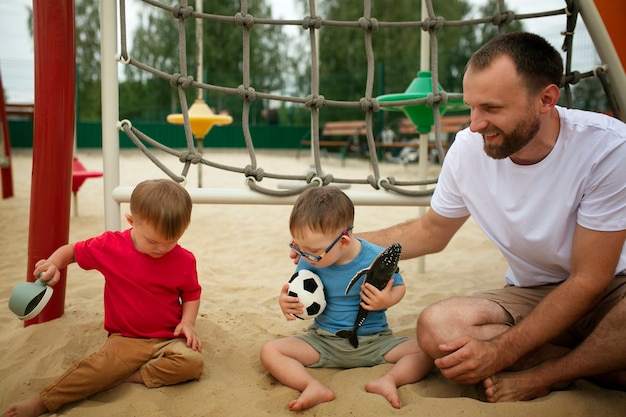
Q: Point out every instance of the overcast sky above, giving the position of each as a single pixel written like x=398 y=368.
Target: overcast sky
x=16 y=45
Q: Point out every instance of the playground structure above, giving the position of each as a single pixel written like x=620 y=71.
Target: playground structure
x=5 y=149
x=54 y=90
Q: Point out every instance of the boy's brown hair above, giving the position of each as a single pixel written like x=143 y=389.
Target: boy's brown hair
x=163 y=204
x=321 y=209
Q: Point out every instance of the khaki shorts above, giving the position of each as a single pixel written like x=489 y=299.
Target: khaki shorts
x=519 y=302
x=336 y=352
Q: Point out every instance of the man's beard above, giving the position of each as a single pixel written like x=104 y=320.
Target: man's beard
x=512 y=142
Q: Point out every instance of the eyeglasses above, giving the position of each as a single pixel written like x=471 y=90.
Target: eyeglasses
x=316 y=258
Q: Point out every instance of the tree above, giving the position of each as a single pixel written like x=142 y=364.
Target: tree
x=88 y=95
x=467 y=39
x=156 y=44
x=87 y=21
x=343 y=61
x=342 y=55
x=588 y=94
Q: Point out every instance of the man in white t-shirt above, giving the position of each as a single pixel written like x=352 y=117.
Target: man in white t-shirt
x=548 y=186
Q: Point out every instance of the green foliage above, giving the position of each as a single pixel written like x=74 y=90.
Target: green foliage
x=281 y=63
x=588 y=94
x=156 y=44
x=88 y=94
x=343 y=61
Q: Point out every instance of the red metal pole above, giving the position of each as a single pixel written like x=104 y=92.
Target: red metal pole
x=5 y=171
x=53 y=137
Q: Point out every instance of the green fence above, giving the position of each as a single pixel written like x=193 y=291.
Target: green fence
x=89 y=135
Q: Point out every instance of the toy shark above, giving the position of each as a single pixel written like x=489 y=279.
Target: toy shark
x=378 y=274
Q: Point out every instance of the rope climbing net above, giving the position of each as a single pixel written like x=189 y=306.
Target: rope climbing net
x=432 y=25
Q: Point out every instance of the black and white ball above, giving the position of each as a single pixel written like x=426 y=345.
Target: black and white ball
x=308 y=287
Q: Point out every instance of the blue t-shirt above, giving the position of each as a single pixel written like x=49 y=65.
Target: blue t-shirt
x=341 y=310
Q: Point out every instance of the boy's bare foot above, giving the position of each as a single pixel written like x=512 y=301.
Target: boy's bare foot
x=135 y=378
x=385 y=386
x=314 y=394
x=514 y=386
x=30 y=407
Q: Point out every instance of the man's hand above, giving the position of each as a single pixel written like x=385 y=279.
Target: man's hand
x=469 y=361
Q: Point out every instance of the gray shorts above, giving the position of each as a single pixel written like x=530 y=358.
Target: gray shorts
x=336 y=352
x=519 y=302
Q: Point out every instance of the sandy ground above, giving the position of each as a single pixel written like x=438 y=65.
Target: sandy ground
x=242 y=262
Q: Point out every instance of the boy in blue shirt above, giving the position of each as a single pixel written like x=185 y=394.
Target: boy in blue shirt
x=320 y=224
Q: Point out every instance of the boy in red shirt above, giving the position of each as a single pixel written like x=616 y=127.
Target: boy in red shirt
x=151 y=301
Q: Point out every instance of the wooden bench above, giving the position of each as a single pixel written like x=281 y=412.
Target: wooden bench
x=20 y=111
x=350 y=128
x=350 y=131
x=448 y=124
x=346 y=131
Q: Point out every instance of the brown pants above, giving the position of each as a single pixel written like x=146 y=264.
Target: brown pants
x=519 y=302
x=160 y=361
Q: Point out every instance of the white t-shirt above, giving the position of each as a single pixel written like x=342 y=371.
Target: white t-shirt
x=530 y=211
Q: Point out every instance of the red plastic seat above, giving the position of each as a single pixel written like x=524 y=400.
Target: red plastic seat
x=79 y=176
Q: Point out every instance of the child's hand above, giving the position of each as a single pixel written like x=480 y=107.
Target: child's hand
x=373 y=299
x=295 y=258
x=49 y=272
x=193 y=341
x=289 y=305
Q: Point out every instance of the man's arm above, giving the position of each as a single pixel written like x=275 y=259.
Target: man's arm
x=418 y=237
x=594 y=260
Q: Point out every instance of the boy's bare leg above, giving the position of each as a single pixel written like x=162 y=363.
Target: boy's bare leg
x=30 y=407
x=285 y=359
x=411 y=365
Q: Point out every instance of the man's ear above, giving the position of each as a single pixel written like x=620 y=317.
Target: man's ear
x=550 y=97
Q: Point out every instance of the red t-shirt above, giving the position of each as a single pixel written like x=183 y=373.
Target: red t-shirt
x=143 y=296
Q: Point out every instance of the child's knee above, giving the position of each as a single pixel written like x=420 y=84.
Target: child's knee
x=196 y=360
x=195 y=365
x=268 y=350
x=176 y=365
x=190 y=363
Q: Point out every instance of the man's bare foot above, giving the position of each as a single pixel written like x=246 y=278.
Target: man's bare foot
x=385 y=386
x=31 y=407
x=314 y=394
x=514 y=386
x=135 y=378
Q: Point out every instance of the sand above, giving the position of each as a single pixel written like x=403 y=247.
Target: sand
x=242 y=263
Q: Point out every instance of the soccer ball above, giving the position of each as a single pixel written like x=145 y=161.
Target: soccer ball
x=308 y=287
